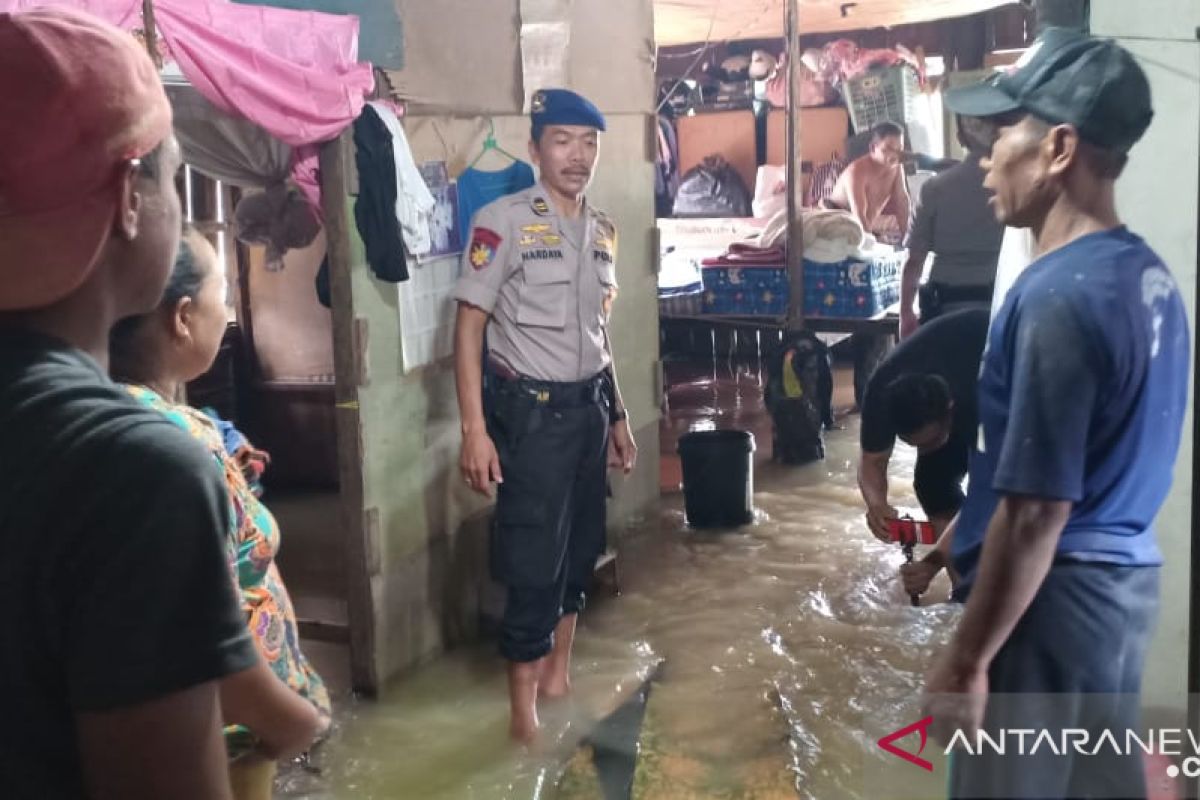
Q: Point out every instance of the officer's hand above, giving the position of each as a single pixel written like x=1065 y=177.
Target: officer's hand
x=908 y=323
x=877 y=521
x=622 y=450
x=917 y=576
x=479 y=463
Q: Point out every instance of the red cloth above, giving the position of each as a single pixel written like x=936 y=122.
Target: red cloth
x=747 y=255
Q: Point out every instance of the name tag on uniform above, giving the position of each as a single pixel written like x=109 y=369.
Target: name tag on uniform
x=542 y=255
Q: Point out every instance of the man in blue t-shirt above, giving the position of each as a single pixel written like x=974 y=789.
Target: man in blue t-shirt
x=1082 y=395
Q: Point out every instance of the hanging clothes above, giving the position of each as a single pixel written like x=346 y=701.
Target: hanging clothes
x=666 y=176
x=477 y=188
x=414 y=201
x=375 y=209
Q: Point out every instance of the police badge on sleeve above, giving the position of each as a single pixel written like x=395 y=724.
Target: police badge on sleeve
x=484 y=243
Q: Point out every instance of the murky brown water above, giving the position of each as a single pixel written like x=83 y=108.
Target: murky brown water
x=786 y=650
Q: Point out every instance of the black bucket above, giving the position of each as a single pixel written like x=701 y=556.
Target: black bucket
x=718 y=478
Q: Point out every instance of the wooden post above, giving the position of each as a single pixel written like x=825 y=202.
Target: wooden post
x=795 y=177
x=349 y=342
x=151 y=32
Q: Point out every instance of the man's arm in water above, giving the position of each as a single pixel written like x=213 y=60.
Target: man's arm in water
x=873 y=483
x=918 y=575
x=1018 y=551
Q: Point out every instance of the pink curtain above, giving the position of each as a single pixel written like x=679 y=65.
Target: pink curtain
x=296 y=74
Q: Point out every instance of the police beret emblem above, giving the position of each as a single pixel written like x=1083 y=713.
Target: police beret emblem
x=538 y=104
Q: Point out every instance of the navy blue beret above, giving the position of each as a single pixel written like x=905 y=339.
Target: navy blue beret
x=564 y=107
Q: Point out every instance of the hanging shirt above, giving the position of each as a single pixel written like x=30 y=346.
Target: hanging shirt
x=414 y=202
x=375 y=206
x=548 y=283
x=477 y=188
x=1082 y=397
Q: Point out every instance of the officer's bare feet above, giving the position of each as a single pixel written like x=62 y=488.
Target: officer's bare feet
x=522 y=696
x=523 y=727
x=554 y=687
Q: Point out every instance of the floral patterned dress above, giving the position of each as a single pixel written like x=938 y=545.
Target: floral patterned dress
x=252 y=545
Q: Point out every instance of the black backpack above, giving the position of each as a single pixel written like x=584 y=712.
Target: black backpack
x=799 y=397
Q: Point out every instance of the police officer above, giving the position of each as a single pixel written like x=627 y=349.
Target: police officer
x=541 y=413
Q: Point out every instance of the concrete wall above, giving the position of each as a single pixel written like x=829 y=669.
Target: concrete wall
x=1158 y=199
x=427 y=532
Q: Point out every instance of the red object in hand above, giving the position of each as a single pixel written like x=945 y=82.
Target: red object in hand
x=909 y=531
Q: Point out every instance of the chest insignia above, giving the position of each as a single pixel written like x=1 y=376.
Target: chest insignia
x=543 y=254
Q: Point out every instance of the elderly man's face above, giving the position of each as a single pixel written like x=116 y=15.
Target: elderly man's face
x=1017 y=171
x=888 y=151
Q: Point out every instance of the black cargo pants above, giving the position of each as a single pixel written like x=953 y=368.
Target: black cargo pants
x=549 y=527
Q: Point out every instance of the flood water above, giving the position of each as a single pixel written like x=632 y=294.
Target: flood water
x=775 y=656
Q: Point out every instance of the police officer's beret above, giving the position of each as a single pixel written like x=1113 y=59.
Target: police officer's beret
x=564 y=107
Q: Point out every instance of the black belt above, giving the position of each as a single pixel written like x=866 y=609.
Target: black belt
x=553 y=394
x=947 y=293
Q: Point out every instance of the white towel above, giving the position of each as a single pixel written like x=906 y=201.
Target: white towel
x=414 y=202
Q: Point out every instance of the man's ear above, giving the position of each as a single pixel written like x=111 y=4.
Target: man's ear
x=129 y=204
x=1061 y=148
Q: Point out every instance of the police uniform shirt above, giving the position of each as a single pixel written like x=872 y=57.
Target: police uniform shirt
x=548 y=284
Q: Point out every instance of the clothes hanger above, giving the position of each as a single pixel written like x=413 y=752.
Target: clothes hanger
x=490 y=144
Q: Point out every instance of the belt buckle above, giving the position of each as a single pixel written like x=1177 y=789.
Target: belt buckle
x=542 y=396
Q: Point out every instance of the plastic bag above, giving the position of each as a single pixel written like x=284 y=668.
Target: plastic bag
x=712 y=189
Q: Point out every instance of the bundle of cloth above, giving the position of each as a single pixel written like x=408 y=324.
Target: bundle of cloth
x=833 y=236
x=748 y=254
x=843 y=60
x=830 y=237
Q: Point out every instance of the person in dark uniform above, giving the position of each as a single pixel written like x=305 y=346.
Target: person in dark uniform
x=541 y=413
x=924 y=394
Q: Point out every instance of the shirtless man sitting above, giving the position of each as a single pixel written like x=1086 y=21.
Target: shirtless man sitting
x=873 y=186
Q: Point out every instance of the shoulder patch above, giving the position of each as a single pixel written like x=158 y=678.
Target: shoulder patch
x=484 y=243
x=605 y=237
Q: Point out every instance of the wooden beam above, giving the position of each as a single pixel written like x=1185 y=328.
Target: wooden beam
x=336 y=163
x=795 y=177
x=150 y=31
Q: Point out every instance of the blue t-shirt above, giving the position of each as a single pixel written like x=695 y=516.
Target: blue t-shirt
x=477 y=188
x=1082 y=394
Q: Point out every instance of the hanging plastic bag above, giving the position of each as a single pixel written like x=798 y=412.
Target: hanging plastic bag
x=713 y=188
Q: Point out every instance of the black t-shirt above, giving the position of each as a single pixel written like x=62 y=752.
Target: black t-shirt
x=114 y=580
x=949 y=346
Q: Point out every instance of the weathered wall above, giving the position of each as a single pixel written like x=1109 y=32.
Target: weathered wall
x=427 y=540
x=463 y=56
x=1158 y=199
